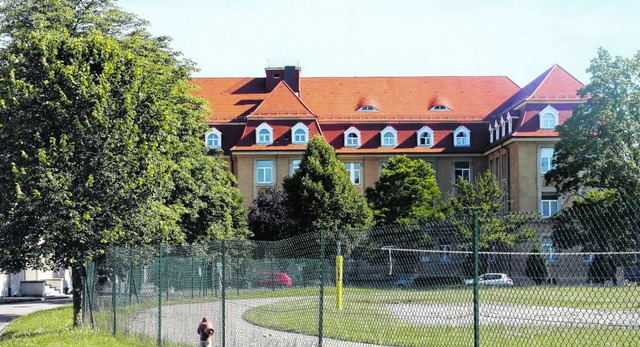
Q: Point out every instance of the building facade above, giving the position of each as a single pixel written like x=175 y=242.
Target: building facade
x=461 y=125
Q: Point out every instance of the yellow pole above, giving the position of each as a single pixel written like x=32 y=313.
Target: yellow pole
x=339 y=282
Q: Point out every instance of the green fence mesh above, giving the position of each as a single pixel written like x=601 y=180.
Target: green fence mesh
x=564 y=281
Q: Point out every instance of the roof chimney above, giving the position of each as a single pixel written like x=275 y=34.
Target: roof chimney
x=289 y=73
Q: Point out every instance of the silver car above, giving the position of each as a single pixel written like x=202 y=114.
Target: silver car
x=492 y=279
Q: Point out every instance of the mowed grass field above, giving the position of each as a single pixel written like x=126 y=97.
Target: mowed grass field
x=366 y=316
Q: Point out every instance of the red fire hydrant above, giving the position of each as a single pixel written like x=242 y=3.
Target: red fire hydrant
x=205 y=330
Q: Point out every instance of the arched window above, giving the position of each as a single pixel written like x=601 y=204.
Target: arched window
x=213 y=138
x=264 y=134
x=300 y=134
x=389 y=137
x=549 y=118
x=352 y=137
x=425 y=137
x=462 y=137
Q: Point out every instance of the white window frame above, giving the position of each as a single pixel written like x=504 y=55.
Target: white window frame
x=461 y=130
x=549 y=113
x=466 y=169
x=352 y=130
x=490 y=133
x=266 y=170
x=294 y=166
x=425 y=130
x=440 y=108
x=259 y=133
x=510 y=122
x=503 y=127
x=295 y=131
x=549 y=203
x=496 y=128
x=546 y=159
x=549 y=251
x=213 y=132
x=354 y=172
x=587 y=258
x=389 y=133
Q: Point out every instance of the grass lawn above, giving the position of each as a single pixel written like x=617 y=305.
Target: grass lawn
x=55 y=328
x=365 y=317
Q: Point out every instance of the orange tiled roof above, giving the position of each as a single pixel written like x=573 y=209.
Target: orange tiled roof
x=558 y=84
x=334 y=98
x=280 y=103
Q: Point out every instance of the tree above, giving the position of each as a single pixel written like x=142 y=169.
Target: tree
x=320 y=196
x=268 y=217
x=497 y=228
x=536 y=267
x=99 y=140
x=405 y=193
x=600 y=143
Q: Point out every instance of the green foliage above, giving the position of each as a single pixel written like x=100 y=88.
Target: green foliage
x=497 y=229
x=405 y=193
x=599 y=144
x=320 y=196
x=602 y=269
x=601 y=222
x=268 y=218
x=536 y=267
x=100 y=140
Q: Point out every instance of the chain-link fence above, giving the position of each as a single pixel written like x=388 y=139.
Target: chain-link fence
x=523 y=281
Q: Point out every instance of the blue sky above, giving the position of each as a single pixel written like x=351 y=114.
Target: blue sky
x=519 y=39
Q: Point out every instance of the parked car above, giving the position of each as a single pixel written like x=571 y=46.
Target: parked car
x=492 y=279
x=273 y=279
x=631 y=274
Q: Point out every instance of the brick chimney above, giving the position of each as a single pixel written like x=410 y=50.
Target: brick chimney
x=289 y=74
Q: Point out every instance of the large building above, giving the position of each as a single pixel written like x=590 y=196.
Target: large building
x=461 y=125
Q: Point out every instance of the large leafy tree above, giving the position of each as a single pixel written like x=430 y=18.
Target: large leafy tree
x=497 y=229
x=405 y=193
x=321 y=197
x=268 y=217
x=600 y=144
x=99 y=140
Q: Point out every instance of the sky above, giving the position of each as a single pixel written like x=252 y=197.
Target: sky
x=519 y=38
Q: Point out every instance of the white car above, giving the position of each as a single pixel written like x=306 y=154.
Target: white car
x=492 y=279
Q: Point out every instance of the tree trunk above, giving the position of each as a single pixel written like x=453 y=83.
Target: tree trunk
x=77 y=275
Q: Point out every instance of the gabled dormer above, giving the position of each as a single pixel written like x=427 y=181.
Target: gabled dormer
x=213 y=138
x=389 y=137
x=462 y=137
x=367 y=104
x=425 y=137
x=264 y=134
x=490 y=133
x=549 y=118
x=352 y=137
x=299 y=134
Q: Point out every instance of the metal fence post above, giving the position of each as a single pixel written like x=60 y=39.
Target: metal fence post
x=113 y=289
x=339 y=275
x=321 y=303
x=476 y=282
x=224 y=291
x=160 y=295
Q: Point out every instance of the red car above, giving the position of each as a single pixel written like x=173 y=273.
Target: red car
x=273 y=279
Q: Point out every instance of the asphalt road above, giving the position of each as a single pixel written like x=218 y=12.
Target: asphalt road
x=11 y=311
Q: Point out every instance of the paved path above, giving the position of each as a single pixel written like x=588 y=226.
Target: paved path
x=179 y=324
x=10 y=311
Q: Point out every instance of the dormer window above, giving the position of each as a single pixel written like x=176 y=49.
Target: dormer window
x=425 y=137
x=389 y=137
x=462 y=137
x=490 y=133
x=496 y=128
x=439 y=108
x=368 y=109
x=503 y=127
x=549 y=118
x=509 y=122
x=352 y=137
x=213 y=138
x=264 y=134
x=300 y=134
